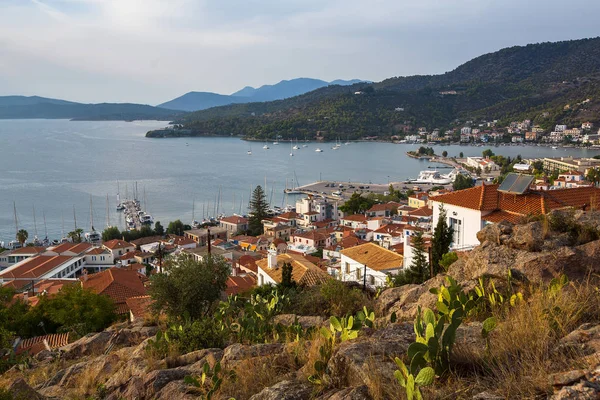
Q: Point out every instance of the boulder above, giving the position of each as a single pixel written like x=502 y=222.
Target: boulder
x=21 y=390
x=352 y=393
x=205 y=355
x=238 y=352
x=156 y=380
x=495 y=233
x=528 y=237
x=405 y=300
x=286 y=390
x=352 y=363
x=133 y=336
x=567 y=378
x=90 y=344
x=176 y=390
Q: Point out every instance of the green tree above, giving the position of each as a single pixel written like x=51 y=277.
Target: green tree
x=441 y=241
x=190 y=287
x=75 y=235
x=418 y=272
x=110 y=233
x=444 y=153
x=77 y=310
x=159 y=229
x=593 y=176
x=357 y=204
x=447 y=260
x=175 y=228
x=462 y=182
x=287 y=281
x=461 y=155
x=22 y=236
x=258 y=211
x=487 y=153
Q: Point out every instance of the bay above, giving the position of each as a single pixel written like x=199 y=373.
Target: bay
x=56 y=165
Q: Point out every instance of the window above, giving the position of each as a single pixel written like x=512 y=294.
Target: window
x=93 y=258
x=347 y=268
x=101 y=258
x=456 y=224
x=358 y=273
x=371 y=280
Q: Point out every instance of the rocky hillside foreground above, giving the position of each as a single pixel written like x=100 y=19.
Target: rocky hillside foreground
x=546 y=345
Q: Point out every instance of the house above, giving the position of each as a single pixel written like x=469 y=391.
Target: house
x=118 y=284
x=279 y=245
x=199 y=253
x=118 y=247
x=11 y=257
x=247 y=264
x=370 y=264
x=561 y=164
x=587 y=125
x=252 y=243
x=98 y=259
x=469 y=210
x=333 y=252
x=68 y=249
x=418 y=200
x=314 y=209
x=570 y=179
x=389 y=235
x=234 y=225
x=424 y=214
x=384 y=210
x=22 y=274
x=139 y=307
x=200 y=235
x=304 y=272
x=354 y=221
x=239 y=284
x=278 y=230
x=532 y=136
x=313 y=238
x=35 y=345
x=483 y=163
x=181 y=242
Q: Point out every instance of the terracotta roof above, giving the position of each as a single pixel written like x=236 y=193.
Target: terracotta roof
x=139 y=305
x=398 y=248
x=146 y=240
x=35 y=267
x=76 y=248
x=28 y=250
x=311 y=213
x=288 y=215
x=391 y=229
x=128 y=256
x=96 y=251
x=239 y=284
x=421 y=212
x=279 y=241
x=498 y=216
x=488 y=198
x=315 y=235
x=135 y=267
x=234 y=219
x=181 y=240
x=304 y=272
x=248 y=262
x=246 y=239
x=355 y=217
x=117 y=244
x=347 y=242
x=36 y=344
x=375 y=257
x=117 y=283
x=419 y=196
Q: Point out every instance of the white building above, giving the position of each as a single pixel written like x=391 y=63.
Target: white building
x=370 y=264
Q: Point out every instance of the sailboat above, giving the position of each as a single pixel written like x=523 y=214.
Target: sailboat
x=291 y=150
x=92 y=236
x=15 y=244
x=108 y=225
x=120 y=206
x=296 y=147
x=46 y=241
x=347 y=141
x=36 y=240
x=318 y=150
x=249 y=148
x=195 y=224
x=266 y=146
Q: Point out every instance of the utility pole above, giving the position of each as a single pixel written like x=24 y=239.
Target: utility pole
x=365 y=279
x=208 y=242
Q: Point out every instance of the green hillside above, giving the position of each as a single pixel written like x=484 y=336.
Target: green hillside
x=516 y=82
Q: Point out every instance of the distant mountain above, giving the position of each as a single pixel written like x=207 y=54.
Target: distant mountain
x=194 y=101
x=548 y=83
x=22 y=107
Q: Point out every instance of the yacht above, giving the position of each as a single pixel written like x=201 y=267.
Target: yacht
x=554 y=147
x=432 y=177
x=249 y=152
x=296 y=147
x=318 y=150
x=275 y=143
x=146 y=219
x=120 y=207
x=92 y=237
x=266 y=147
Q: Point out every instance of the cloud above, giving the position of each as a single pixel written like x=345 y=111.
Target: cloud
x=152 y=50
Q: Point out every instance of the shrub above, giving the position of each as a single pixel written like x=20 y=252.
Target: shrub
x=342 y=300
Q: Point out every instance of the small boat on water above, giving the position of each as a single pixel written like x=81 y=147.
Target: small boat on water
x=554 y=147
x=318 y=150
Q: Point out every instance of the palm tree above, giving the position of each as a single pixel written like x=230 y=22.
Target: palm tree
x=22 y=236
x=160 y=254
x=75 y=235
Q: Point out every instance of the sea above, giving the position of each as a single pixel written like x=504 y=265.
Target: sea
x=50 y=169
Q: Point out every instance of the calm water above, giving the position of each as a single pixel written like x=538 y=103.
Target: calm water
x=53 y=165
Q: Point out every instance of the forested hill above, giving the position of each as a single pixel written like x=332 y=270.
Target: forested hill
x=535 y=81
x=17 y=107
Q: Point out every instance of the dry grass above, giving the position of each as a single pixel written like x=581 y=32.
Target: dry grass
x=525 y=347
x=379 y=387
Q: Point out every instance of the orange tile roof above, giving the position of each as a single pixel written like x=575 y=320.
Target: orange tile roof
x=117 y=283
x=27 y=250
x=288 y=215
x=315 y=235
x=234 y=219
x=488 y=198
x=279 y=241
x=304 y=272
x=36 y=344
x=391 y=229
x=375 y=257
x=392 y=205
x=139 y=305
x=347 y=242
x=76 y=248
x=498 y=216
x=35 y=267
x=96 y=251
x=421 y=212
x=355 y=217
x=239 y=284
x=117 y=244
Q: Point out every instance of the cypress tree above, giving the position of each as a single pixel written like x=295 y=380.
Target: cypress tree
x=442 y=239
x=258 y=211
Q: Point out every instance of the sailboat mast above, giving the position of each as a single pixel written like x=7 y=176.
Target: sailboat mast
x=45 y=227
x=107 y=212
x=34 y=223
x=193 y=210
x=16 y=223
x=233 y=204
x=74 y=217
x=62 y=217
x=91 y=215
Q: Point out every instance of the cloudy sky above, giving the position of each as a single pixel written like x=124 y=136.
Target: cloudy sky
x=149 y=51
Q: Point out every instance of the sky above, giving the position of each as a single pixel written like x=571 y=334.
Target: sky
x=150 y=51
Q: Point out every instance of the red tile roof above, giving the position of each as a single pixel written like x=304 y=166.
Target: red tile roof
x=76 y=248
x=488 y=198
x=248 y=262
x=117 y=283
x=315 y=235
x=36 y=344
x=96 y=251
x=391 y=229
x=234 y=219
x=288 y=215
x=35 y=267
x=139 y=305
x=117 y=244
x=392 y=205
x=355 y=217
x=421 y=212
x=347 y=242
x=27 y=250
x=239 y=284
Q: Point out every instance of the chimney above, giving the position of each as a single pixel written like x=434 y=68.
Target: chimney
x=272 y=258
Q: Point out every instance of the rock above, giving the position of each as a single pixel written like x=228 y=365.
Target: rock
x=487 y=396
x=405 y=300
x=21 y=390
x=495 y=232
x=239 y=352
x=305 y=321
x=285 y=390
x=131 y=336
x=587 y=335
x=156 y=380
x=93 y=343
x=567 y=378
x=581 y=391
x=176 y=390
x=359 y=362
x=210 y=355
x=353 y=393
x=529 y=237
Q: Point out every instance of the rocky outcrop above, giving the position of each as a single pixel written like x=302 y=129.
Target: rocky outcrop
x=286 y=390
x=21 y=390
x=305 y=322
